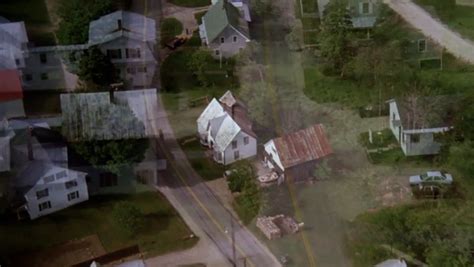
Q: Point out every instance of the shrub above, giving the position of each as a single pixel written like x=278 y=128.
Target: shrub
x=170 y=27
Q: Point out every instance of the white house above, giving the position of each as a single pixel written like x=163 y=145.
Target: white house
x=225 y=128
x=415 y=122
x=127 y=38
x=13 y=44
x=48 y=188
x=224 y=29
x=297 y=153
x=43 y=183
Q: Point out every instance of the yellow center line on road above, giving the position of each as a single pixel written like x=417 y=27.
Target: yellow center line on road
x=193 y=194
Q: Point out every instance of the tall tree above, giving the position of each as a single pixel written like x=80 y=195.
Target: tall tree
x=96 y=69
x=75 y=17
x=199 y=63
x=334 y=36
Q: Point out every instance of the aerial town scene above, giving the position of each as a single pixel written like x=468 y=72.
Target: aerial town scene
x=237 y=133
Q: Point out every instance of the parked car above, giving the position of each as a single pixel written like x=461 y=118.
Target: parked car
x=176 y=42
x=431 y=177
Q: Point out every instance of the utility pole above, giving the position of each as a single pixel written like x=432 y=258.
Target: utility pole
x=233 y=239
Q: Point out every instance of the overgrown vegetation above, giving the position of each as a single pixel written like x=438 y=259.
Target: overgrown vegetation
x=96 y=70
x=242 y=181
x=193 y=68
x=170 y=27
x=437 y=233
x=75 y=17
x=112 y=154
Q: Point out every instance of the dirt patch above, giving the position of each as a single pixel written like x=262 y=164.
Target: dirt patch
x=393 y=190
x=66 y=254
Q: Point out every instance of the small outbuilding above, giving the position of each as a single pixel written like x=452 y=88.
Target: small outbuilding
x=296 y=154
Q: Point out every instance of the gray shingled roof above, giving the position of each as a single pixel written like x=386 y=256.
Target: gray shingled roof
x=91 y=116
x=133 y=25
x=220 y=16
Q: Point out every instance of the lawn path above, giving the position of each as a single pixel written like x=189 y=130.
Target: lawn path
x=434 y=28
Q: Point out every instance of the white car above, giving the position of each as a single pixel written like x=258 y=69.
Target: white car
x=434 y=177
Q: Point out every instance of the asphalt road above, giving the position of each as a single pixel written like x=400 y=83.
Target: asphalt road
x=199 y=203
x=434 y=28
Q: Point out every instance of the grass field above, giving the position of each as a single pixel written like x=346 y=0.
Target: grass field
x=459 y=18
x=35 y=15
x=164 y=231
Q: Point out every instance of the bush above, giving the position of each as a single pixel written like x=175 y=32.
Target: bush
x=239 y=176
x=170 y=27
x=128 y=217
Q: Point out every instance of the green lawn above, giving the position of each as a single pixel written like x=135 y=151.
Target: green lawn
x=35 y=15
x=176 y=75
x=396 y=157
x=380 y=139
x=170 y=27
x=203 y=165
x=164 y=229
x=325 y=89
x=459 y=18
x=191 y=3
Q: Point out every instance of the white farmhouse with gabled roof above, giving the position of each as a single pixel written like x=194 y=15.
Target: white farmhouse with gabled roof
x=225 y=128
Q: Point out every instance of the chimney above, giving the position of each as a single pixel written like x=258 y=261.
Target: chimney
x=29 y=144
x=119 y=24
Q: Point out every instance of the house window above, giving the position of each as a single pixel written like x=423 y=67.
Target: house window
x=422 y=45
x=44 y=76
x=415 y=138
x=17 y=61
x=222 y=40
x=234 y=144
x=132 y=53
x=44 y=205
x=131 y=70
x=217 y=52
x=28 y=77
x=219 y=156
x=234 y=39
x=236 y=154
x=365 y=8
x=70 y=184
x=141 y=69
x=246 y=140
x=73 y=195
x=108 y=179
x=114 y=53
x=61 y=175
x=42 y=193
x=43 y=58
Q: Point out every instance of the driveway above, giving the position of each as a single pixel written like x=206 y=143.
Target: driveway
x=435 y=29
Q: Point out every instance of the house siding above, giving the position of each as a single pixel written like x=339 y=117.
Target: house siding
x=245 y=151
x=58 y=195
x=229 y=48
